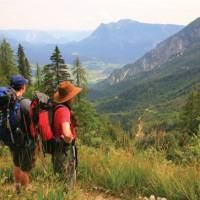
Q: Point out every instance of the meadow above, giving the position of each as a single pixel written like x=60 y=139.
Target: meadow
x=127 y=174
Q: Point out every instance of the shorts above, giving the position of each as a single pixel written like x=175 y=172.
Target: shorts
x=24 y=157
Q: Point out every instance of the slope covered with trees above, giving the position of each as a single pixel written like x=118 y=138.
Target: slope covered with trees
x=160 y=89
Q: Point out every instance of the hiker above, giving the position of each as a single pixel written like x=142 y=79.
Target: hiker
x=24 y=153
x=64 y=124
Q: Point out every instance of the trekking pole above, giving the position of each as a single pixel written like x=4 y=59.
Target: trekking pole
x=75 y=160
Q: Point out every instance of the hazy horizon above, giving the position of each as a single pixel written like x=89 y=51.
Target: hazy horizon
x=65 y=15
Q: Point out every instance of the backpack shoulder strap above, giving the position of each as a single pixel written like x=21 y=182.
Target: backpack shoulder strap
x=51 y=113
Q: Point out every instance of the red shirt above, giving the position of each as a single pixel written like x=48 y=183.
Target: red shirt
x=61 y=116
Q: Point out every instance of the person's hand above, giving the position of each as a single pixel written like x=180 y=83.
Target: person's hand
x=67 y=139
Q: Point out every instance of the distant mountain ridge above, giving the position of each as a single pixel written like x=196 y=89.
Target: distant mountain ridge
x=171 y=47
x=118 y=42
x=123 y=41
x=43 y=37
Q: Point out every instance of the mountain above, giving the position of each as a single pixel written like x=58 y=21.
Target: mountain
x=43 y=37
x=121 y=42
x=171 y=47
x=157 y=84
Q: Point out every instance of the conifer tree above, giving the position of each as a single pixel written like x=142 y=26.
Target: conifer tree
x=23 y=63
x=28 y=70
x=47 y=80
x=79 y=74
x=59 y=67
x=7 y=63
x=191 y=113
x=38 y=77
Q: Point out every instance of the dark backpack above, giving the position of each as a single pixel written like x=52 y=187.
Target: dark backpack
x=9 y=115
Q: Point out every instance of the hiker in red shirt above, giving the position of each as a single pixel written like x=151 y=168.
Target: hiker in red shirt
x=64 y=124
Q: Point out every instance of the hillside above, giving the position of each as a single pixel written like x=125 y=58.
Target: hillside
x=175 y=78
x=160 y=89
x=174 y=46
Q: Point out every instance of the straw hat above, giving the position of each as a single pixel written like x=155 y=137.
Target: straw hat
x=66 y=91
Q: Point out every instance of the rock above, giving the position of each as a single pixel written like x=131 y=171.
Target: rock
x=152 y=197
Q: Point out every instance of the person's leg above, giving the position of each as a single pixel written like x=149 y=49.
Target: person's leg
x=21 y=178
x=25 y=180
x=59 y=158
x=27 y=162
x=17 y=170
x=17 y=174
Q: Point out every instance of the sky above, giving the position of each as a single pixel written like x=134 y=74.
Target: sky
x=88 y=14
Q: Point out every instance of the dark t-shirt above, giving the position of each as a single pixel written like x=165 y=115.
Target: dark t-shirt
x=25 y=117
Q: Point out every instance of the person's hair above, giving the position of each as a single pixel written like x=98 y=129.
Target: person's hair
x=18 y=88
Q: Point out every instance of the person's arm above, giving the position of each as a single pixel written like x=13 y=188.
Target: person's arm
x=67 y=134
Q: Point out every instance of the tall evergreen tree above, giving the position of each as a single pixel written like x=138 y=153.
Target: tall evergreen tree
x=47 y=81
x=38 y=77
x=23 y=63
x=59 y=67
x=28 y=70
x=191 y=113
x=79 y=74
x=7 y=63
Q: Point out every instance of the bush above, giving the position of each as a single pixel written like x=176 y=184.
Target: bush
x=165 y=142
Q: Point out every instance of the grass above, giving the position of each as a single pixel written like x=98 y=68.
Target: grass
x=128 y=174
x=120 y=172
x=45 y=185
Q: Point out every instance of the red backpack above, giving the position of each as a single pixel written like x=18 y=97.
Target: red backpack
x=41 y=114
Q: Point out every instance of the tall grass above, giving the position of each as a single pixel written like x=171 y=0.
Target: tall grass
x=125 y=173
x=141 y=174
x=45 y=184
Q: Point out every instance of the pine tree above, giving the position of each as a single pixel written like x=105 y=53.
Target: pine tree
x=23 y=63
x=3 y=79
x=79 y=74
x=7 y=63
x=28 y=70
x=47 y=80
x=191 y=113
x=38 y=77
x=59 y=67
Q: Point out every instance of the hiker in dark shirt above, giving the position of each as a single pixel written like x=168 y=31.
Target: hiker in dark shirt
x=23 y=151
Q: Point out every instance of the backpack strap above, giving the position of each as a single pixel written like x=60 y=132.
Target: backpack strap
x=20 y=114
x=52 y=114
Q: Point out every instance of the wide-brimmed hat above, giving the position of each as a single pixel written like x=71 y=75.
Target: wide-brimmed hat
x=66 y=91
